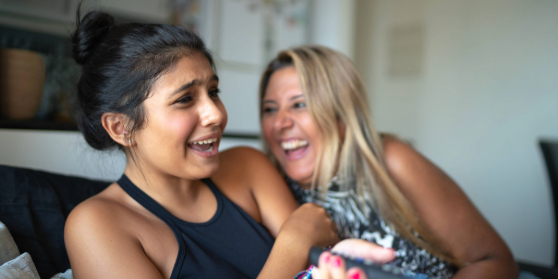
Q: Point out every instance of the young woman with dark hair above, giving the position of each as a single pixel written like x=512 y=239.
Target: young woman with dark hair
x=181 y=209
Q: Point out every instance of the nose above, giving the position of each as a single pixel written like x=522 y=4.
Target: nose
x=283 y=120
x=211 y=114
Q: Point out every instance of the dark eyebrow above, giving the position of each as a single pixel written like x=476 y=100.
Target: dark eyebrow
x=192 y=83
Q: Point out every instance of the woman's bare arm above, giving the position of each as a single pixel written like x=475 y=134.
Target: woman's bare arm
x=267 y=198
x=447 y=212
x=296 y=228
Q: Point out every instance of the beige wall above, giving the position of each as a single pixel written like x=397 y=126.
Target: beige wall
x=68 y=153
x=486 y=91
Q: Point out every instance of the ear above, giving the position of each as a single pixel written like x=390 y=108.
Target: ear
x=115 y=125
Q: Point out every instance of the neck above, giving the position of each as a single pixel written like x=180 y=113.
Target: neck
x=168 y=190
x=304 y=184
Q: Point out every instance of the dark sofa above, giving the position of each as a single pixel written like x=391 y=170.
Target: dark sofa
x=34 y=206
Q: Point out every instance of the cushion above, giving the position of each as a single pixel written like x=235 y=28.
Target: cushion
x=21 y=267
x=68 y=275
x=8 y=248
x=35 y=205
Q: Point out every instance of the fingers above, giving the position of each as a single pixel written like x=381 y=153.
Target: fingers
x=359 y=248
x=333 y=267
x=355 y=273
x=337 y=267
x=322 y=272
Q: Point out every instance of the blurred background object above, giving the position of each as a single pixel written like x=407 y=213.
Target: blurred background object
x=20 y=98
x=549 y=150
x=472 y=84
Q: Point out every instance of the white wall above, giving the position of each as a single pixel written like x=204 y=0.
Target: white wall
x=332 y=24
x=147 y=10
x=68 y=153
x=488 y=89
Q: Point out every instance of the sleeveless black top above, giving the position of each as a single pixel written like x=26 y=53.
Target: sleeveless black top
x=230 y=245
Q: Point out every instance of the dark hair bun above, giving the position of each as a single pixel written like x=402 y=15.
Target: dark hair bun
x=89 y=32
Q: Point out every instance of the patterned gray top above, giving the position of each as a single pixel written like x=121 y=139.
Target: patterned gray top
x=352 y=223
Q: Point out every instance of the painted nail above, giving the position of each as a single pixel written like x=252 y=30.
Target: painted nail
x=355 y=275
x=336 y=262
x=326 y=258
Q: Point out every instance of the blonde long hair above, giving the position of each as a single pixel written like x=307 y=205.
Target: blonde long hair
x=334 y=93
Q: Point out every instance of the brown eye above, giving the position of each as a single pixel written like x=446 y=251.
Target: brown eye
x=269 y=110
x=185 y=99
x=214 y=92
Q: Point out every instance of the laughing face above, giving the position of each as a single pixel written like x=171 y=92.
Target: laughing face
x=185 y=121
x=288 y=126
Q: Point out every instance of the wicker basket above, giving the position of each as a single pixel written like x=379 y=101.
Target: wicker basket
x=22 y=78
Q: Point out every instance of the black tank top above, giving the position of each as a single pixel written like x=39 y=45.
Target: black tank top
x=230 y=245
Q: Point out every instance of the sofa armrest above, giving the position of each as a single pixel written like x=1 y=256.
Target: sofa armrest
x=544 y=272
x=34 y=206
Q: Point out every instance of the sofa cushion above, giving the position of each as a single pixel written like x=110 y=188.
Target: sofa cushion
x=8 y=248
x=34 y=205
x=21 y=267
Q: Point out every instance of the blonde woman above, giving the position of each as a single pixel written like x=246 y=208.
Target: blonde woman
x=318 y=132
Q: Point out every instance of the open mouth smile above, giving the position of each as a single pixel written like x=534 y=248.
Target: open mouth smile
x=205 y=148
x=294 y=148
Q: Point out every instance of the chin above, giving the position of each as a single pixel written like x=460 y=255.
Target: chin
x=203 y=171
x=212 y=170
x=300 y=178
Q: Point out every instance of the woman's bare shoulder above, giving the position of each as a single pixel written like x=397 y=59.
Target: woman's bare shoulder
x=101 y=241
x=256 y=186
x=242 y=163
x=99 y=212
x=404 y=162
x=397 y=151
x=247 y=155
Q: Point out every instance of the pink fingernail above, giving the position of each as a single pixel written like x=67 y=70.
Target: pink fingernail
x=326 y=258
x=355 y=275
x=336 y=262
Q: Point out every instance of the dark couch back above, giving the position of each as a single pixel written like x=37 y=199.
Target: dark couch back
x=34 y=206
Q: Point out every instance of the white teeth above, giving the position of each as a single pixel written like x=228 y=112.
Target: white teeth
x=293 y=144
x=204 y=141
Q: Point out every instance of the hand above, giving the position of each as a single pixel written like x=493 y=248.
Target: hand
x=333 y=267
x=310 y=225
x=360 y=248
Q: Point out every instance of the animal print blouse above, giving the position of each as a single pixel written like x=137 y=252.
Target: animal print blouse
x=352 y=223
